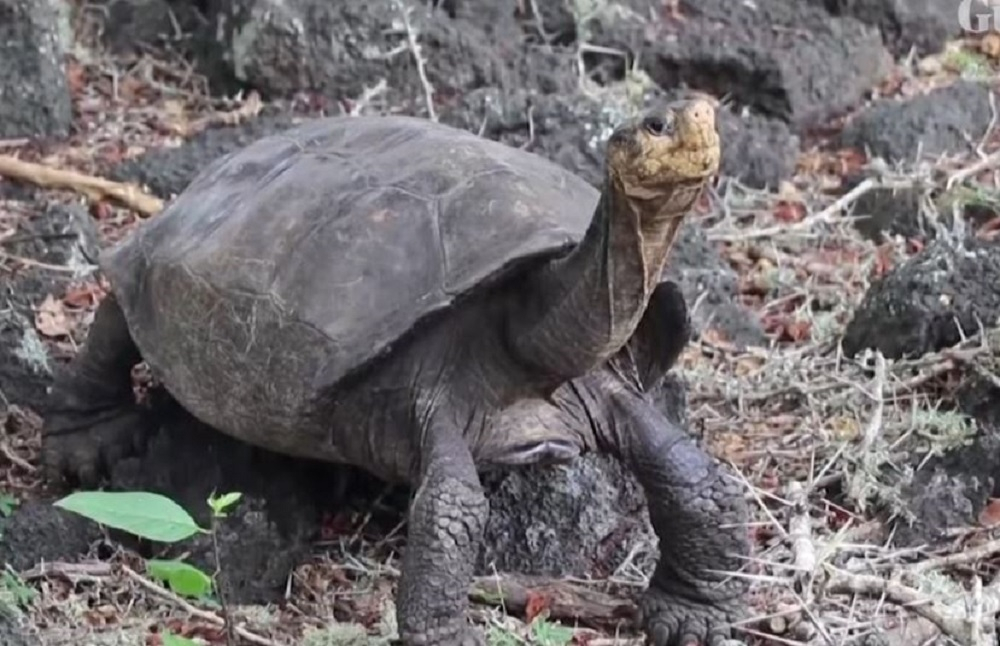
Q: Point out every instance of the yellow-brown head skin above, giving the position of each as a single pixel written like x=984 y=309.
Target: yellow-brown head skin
x=676 y=145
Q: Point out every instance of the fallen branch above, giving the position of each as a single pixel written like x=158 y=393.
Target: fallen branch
x=901 y=595
x=564 y=600
x=966 y=556
x=94 y=188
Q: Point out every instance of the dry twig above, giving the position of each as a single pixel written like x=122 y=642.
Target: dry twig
x=564 y=600
x=94 y=188
x=418 y=57
x=162 y=592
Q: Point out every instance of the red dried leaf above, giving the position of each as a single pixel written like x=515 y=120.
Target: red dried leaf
x=100 y=210
x=786 y=211
x=83 y=296
x=536 y=605
x=990 y=515
x=836 y=517
x=988 y=228
x=798 y=331
x=769 y=481
x=336 y=525
x=75 y=77
x=883 y=261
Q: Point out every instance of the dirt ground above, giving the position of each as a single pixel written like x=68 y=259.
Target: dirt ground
x=828 y=370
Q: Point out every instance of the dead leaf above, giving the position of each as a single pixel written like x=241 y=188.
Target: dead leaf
x=990 y=45
x=883 y=261
x=990 y=515
x=75 y=77
x=798 y=331
x=83 y=296
x=786 y=211
x=536 y=605
x=51 y=319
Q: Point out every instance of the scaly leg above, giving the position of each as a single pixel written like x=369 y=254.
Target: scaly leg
x=446 y=523
x=699 y=515
x=92 y=419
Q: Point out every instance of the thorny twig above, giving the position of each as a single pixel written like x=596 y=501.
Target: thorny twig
x=824 y=216
x=418 y=57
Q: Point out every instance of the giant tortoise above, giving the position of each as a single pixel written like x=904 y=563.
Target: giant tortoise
x=419 y=301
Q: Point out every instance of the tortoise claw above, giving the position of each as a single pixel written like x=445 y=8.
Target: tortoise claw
x=672 y=620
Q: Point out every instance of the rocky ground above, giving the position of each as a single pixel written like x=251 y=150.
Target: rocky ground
x=845 y=279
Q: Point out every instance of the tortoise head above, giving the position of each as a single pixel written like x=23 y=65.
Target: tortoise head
x=675 y=147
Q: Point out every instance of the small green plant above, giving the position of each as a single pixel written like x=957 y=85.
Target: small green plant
x=540 y=632
x=549 y=633
x=969 y=64
x=158 y=518
x=498 y=636
x=14 y=591
x=170 y=639
x=7 y=504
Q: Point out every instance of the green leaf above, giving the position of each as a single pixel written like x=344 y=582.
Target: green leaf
x=147 y=515
x=223 y=502
x=170 y=639
x=183 y=578
x=550 y=633
x=7 y=504
x=20 y=593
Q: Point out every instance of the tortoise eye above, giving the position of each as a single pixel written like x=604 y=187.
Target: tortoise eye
x=658 y=126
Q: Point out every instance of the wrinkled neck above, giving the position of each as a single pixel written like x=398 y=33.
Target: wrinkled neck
x=577 y=311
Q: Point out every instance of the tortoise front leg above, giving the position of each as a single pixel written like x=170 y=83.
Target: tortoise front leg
x=700 y=517
x=91 y=418
x=445 y=530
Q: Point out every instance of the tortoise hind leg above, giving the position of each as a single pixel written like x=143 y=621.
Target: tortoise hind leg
x=92 y=419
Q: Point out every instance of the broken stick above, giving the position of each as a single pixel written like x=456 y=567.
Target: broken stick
x=564 y=600
x=94 y=188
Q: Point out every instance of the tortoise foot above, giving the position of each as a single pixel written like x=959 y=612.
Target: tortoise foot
x=458 y=633
x=79 y=447
x=670 y=619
